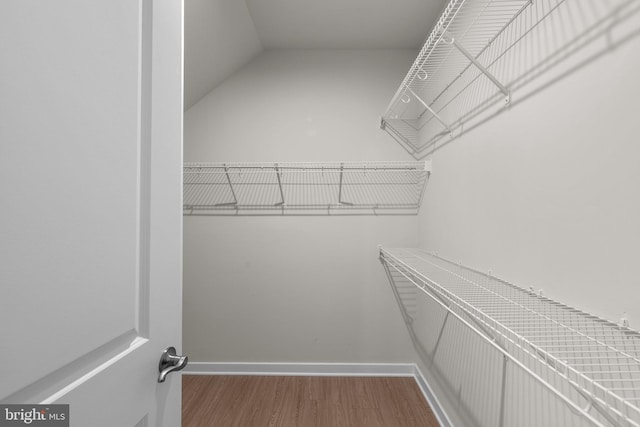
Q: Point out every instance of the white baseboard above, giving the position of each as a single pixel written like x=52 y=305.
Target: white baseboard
x=431 y=398
x=325 y=369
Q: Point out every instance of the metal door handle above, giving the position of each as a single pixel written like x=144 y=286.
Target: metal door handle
x=169 y=362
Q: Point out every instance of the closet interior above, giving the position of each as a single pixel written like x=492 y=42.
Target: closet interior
x=489 y=352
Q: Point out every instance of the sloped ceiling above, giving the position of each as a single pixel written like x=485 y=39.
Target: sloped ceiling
x=219 y=39
x=344 y=24
x=221 y=36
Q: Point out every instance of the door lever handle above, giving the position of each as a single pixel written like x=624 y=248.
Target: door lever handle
x=170 y=362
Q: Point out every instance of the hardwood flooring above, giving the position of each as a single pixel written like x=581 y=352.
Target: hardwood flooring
x=255 y=401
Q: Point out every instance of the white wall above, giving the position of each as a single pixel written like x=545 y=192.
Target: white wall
x=546 y=194
x=219 y=39
x=295 y=289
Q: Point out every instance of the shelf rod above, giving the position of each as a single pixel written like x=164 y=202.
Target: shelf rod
x=305 y=167
x=279 y=186
x=447 y=38
x=235 y=199
x=429 y=108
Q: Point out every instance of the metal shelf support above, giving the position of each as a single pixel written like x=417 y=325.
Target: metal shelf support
x=281 y=203
x=421 y=101
x=448 y=38
x=233 y=193
x=340 y=201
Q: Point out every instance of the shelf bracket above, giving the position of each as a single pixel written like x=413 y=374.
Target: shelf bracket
x=280 y=187
x=233 y=193
x=503 y=389
x=421 y=101
x=448 y=38
x=340 y=188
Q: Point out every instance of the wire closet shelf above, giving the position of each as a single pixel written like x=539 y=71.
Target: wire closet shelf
x=454 y=74
x=591 y=364
x=325 y=188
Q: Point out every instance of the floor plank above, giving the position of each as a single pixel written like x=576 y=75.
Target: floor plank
x=229 y=401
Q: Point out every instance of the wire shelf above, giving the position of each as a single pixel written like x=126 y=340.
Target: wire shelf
x=482 y=52
x=591 y=364
x=328 y=188
x=448 y=63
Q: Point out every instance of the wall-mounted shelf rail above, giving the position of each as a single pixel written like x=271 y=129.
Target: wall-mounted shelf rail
x=453 y=73
x=329 y=188
x=591 y=365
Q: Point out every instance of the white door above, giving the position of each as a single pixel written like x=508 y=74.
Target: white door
x=90 y=207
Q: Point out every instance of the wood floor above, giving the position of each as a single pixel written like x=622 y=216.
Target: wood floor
x=254 y=401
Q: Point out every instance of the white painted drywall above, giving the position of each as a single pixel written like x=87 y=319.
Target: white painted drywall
x=295 y=289
x=546 y=194
x=219 y=39
x=339 y=24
